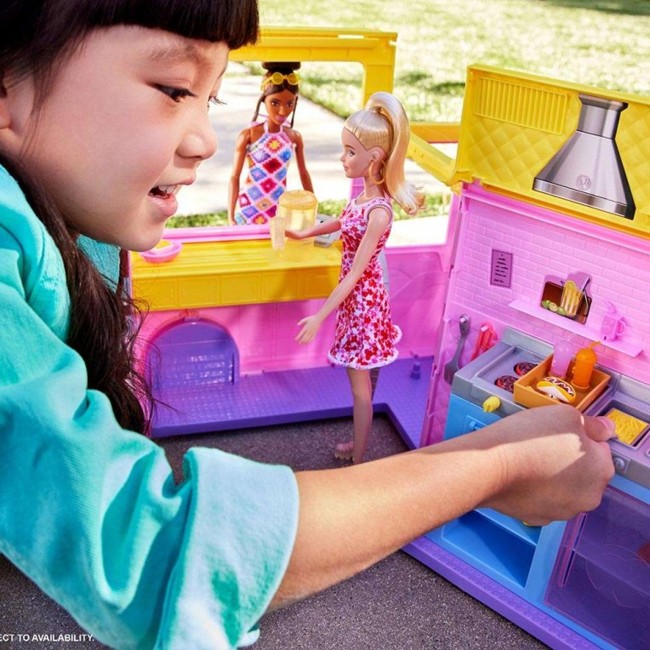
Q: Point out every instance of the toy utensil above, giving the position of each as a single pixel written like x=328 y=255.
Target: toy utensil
x=484 y=341
x=451 y=367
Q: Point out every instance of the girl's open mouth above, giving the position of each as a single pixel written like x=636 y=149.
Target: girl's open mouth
x=165 y=197
x=164 y=191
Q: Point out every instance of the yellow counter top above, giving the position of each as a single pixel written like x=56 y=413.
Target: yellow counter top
x=224 y=273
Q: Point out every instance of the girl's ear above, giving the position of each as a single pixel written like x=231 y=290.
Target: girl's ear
x=16 y=105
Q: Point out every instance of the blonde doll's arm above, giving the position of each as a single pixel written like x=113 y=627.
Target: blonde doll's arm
x=378 y=220
x=323 y=228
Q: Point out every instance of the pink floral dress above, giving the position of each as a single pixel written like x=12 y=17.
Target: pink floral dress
x=365 y=336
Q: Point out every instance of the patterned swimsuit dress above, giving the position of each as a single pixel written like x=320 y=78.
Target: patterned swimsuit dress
x=365 y=335
x=268 y=162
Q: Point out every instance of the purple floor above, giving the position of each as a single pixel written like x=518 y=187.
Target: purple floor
x=294 y=396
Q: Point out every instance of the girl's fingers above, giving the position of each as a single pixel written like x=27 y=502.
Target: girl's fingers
x=599 y=428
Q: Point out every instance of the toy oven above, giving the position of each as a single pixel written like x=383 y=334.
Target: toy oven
x=600 y=579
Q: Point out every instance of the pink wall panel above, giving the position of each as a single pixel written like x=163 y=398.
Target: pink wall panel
x=542 y=243
x=264 y=334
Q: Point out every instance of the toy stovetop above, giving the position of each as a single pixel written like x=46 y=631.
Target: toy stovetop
x=583 y=151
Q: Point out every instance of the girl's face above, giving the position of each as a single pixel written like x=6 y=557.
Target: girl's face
x=279 y=106
x=356 y=158
x=123 y=127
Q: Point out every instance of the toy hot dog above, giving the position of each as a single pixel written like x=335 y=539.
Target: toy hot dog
x=557 y=389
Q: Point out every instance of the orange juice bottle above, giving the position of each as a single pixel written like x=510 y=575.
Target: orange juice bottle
x=583 y=367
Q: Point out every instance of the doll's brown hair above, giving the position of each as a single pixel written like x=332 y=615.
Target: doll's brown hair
x=287 y=73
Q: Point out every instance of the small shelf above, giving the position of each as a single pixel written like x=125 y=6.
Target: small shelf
x=631 y=349
x=529 y=534
x=490 y=546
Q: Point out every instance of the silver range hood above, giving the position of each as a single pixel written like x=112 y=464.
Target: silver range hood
x=588 y=168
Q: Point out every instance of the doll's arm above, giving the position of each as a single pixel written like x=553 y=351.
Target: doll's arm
x=539 y=465
x=243 y=140
x=323 y=228
x=378 y=220
x=305 y=178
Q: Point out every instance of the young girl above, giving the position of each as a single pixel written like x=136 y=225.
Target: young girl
x=103 y=116
x=375 y=141
x=268 y=147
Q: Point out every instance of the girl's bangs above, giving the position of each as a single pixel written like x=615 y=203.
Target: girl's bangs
x=235 y=22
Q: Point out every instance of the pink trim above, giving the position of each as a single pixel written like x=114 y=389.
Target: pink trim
x=217 y=233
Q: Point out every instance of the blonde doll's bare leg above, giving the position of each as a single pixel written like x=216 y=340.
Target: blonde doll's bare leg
x=345 y=450
x=361 y=411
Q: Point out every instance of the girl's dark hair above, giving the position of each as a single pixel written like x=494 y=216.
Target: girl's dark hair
x=269 y=88
x=35 y=37
x=35 y=33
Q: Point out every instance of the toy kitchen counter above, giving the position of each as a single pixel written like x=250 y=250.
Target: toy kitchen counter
x=592 y=574
x=486 y=389
x=218 y=340
x=222 y=303
x=551 y=252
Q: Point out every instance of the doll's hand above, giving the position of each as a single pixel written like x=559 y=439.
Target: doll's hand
x=310 y=326
x=555 y=463
x=293 y=234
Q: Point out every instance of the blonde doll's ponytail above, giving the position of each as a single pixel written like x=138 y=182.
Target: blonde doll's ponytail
x=383 y=123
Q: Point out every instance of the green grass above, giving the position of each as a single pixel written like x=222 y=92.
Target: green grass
x=199 y=220
x=603 y=43
x=434 y=205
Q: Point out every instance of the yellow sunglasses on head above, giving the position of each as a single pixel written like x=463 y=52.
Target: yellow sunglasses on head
x=278 y=77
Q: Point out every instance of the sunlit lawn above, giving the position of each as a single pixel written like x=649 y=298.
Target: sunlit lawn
x=594 y=42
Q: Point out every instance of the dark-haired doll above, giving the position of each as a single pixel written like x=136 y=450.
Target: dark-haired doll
x=268 y=147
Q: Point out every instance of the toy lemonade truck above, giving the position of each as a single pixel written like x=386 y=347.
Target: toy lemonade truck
x=540 y=293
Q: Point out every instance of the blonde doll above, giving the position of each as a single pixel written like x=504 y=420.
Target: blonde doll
x=375 y=141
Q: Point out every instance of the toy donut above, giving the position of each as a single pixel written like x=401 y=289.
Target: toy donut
x=557 y=389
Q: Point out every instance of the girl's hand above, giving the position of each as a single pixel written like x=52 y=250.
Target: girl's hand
x=293 y=234
x=556 y=463
x=310 y=326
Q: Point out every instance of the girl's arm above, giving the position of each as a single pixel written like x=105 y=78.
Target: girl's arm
x=242 y=143
x=194 y=554
x=539 y=465
x=378 y=220
x=305 y=178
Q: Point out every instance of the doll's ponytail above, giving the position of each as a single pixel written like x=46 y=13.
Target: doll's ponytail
x=396 y=145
